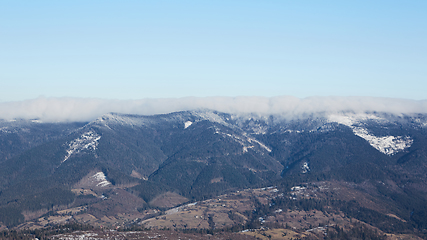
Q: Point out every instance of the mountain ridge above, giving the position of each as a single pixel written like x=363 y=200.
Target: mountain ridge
x=204 y=153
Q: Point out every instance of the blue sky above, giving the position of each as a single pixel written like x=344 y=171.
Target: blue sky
x=173 y=49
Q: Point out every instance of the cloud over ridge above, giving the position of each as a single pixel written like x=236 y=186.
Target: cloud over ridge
x=87 y=109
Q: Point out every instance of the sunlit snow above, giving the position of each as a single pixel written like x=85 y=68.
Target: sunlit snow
x=187 y=124
x=351 y=119
x=119 y=119
x=305 y=168
x=259 y=143
x=245 y=149
x=389 y=145
x=101 y=179
x=210 y=116
x=245 y=141
x=87 y=141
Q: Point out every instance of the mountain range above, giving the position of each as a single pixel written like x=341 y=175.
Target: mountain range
x=195 y=155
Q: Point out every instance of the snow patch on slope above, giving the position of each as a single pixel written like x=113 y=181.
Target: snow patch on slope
x=244 y=140
x=294 y=131
x=388 y=145
x=259 y=130
x=259 y=143
x=305 y=168
x=120 y=119
x=87 y=141
x=351 y=119
x=100 y=179
x=211 y=116
x=187 y=124
x=4 y=130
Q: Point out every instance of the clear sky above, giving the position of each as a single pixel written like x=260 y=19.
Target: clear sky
x=168 y=49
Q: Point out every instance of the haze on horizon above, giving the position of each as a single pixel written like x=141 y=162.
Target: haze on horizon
x=132 y=50
x=88 y=109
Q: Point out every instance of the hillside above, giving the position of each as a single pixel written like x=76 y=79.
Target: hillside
x=120 y=167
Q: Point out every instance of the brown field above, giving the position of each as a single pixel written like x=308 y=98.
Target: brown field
x=168 y=200
x=212 y=213
x=276 y=234
x=115 y=208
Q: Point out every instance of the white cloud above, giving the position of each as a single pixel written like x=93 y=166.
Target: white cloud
x=87 y=109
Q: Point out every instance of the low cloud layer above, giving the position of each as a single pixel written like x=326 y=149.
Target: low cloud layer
x=87 y=109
